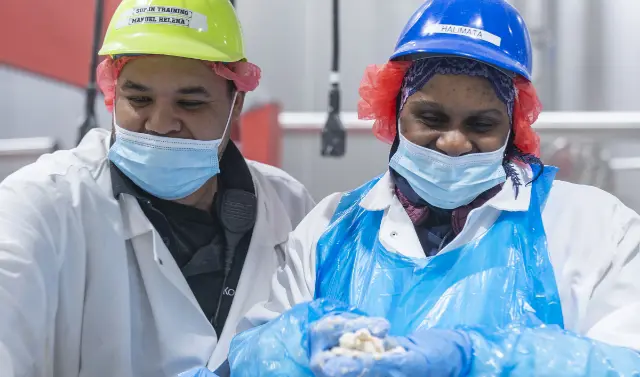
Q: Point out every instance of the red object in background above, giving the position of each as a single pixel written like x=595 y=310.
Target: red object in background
x=54 y=39
x=260 y=135
x=51 y=37
x=564 y=161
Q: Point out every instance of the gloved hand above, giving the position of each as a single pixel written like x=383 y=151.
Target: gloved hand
x=326 y=332
x=198 y=372
x=281 y=347
x=429 y=352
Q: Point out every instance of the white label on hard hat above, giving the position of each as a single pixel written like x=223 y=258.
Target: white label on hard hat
x=163 y=16
x=463 y=30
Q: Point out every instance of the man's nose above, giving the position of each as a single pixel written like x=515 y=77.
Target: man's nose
x=162 y=121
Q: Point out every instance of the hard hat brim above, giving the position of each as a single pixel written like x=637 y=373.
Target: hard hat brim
x=466 y=47
x=171 y=46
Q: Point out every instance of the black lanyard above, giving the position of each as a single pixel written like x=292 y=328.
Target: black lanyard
x=227 y=290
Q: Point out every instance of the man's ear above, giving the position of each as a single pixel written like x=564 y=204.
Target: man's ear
x=237 y=107
x=236 y=112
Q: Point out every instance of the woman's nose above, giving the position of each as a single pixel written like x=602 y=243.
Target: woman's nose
x=454 y=143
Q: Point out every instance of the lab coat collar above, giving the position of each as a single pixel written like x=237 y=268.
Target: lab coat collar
x=270 y=216
x=134 y=222
x=506 y=200
x=382 y=194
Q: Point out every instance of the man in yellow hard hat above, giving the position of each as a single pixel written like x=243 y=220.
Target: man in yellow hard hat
x=136 y=253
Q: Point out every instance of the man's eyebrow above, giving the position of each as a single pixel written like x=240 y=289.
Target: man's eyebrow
x=134 y=86
x=186 y=90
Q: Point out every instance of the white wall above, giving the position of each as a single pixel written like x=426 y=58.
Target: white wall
x=33 y=106
x=291 y=41
x=620 y=55
x=590 y=64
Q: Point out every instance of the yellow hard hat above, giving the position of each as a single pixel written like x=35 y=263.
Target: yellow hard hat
x=197 y=29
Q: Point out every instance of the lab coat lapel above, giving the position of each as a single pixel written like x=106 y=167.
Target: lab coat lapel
x=397 y=233
x=149 y=247
x=183 y=329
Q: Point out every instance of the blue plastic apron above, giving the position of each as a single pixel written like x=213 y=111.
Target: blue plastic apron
x=503 y=277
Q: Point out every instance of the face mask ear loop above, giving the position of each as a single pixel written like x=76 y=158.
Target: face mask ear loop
x=226 y=127
x=506 y=144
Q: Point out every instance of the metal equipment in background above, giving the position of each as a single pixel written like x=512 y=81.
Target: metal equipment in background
x=333 y=134
x=16 y=153
x=90 y=120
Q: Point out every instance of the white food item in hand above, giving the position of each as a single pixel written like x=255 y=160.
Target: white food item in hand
x=361 y=342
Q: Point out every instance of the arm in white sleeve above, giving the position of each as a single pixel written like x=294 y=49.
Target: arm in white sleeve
x=294 y=280
x=30 y=229
x=547 y=351
x=612 y=312
x=606 y=341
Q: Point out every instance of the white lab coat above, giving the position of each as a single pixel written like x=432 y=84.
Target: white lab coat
x=88 y=288
x=593 y=242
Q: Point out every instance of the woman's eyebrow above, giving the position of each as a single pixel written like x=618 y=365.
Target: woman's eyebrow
x=194 y=90
x=424 y=104
x=487 y=112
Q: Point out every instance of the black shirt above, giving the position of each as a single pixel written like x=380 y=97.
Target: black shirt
x=196 y=238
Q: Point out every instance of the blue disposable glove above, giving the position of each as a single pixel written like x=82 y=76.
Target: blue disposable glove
x=198 y=372
x=430 y=352
x=281 y=347
x=446 y=352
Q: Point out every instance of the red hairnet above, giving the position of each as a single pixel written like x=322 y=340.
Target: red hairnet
x=379 y=91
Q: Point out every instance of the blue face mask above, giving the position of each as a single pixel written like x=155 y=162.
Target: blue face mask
x=165 y=167
x=444 y=181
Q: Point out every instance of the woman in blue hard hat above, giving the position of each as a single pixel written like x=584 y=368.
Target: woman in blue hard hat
x=467 y=253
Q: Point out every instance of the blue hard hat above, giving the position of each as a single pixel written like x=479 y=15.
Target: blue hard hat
x=491 y=31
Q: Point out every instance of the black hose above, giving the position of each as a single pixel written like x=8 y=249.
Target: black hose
x=90 y=120
x=335 y=65
x=333 y=134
